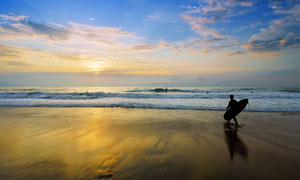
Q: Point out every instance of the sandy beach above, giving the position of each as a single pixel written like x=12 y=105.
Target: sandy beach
x=118 y=143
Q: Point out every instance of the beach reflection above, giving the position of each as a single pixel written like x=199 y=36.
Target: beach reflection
x=235 y=144
x=47 y=143
x=108 y=143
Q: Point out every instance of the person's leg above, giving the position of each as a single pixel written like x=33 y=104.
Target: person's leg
x=236 y=123
x=228 y=121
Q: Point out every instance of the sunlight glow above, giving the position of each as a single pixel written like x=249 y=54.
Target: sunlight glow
x=95 y=66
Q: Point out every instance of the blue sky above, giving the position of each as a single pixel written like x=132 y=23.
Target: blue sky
x=196 y=38
x=130 y=15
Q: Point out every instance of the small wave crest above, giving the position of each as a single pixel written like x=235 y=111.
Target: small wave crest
x=161 y=90
x=270 y=105
x=100 y=95
x=157 y=93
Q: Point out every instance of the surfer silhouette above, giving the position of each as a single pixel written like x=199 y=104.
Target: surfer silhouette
x=232 y=104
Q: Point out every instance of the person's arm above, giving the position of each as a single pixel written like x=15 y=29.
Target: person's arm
x=228 y=106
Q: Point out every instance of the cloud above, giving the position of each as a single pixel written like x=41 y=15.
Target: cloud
x=153 y=17
x=145 y=47
x=247 y=3
x=12 y=53
x=18 y=54
x=113 y=38
x=213 y=11
x=283 y=33
x=15 y=63
x=235 y=52
x=91 y=19
x=105 y=35
x=199 y=25
x=279 y=5
x=247 y=27
x=207 y=45
x=195 y=45
x=160 y=16
x=53 y=32
x=13 y=17
x=225 y=8
x=27 y=29
x=67 y=40
x=70 y=57
x=8 y=51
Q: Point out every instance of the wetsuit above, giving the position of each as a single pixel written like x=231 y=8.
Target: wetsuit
x=232 y=103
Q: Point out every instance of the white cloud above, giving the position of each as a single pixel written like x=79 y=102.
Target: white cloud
x=209 y=12
x=283 y=33
x=13 y=17
x=199 y=25
x=105 y=35
x=27 y=29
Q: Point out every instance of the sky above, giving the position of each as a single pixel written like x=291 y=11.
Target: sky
x=150 y=43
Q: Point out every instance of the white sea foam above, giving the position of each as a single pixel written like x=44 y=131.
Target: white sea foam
x=261 y=99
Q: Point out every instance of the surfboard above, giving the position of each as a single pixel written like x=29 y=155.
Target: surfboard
x=234 y=111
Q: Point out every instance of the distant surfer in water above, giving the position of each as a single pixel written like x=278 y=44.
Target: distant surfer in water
x=232 y=104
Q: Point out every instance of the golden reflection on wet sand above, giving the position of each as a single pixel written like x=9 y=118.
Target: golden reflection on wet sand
x=116 y=143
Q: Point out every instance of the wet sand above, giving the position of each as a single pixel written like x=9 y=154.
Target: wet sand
x=116 y=143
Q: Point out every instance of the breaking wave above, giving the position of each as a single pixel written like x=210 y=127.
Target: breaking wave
x=261 y=99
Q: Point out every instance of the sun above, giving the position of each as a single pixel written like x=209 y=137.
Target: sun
x=95 y=66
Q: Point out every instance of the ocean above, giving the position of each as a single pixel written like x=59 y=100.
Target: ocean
x=271 y=99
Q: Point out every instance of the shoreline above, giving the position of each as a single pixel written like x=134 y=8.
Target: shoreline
x=213 y=110
x=121 y=143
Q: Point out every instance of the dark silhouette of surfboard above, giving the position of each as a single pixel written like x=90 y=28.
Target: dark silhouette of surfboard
x=234 y=111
